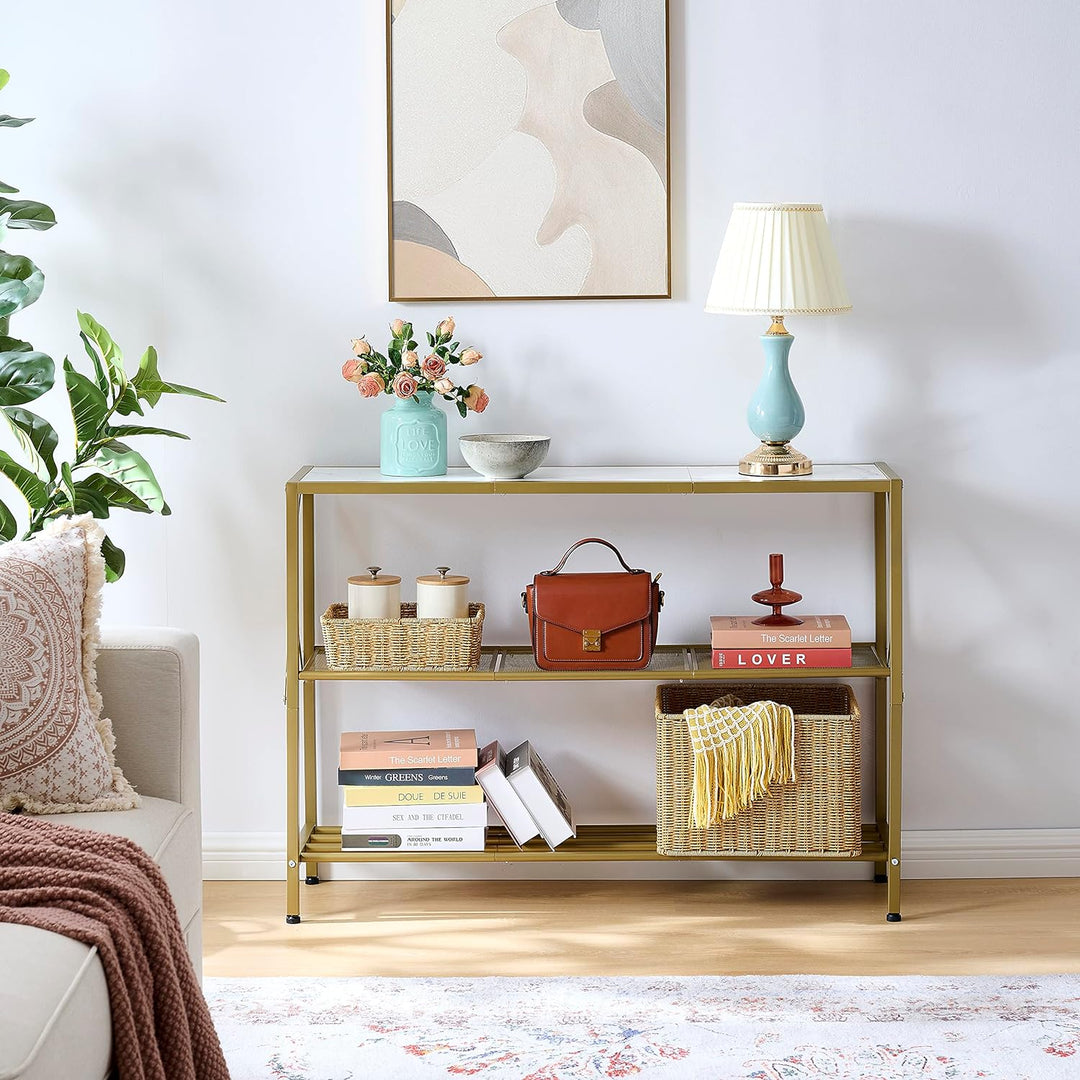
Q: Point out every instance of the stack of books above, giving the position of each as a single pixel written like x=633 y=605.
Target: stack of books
x=821 y=641
x=425 y=791
x=411 y=791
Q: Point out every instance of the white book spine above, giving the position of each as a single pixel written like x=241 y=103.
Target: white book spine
x=373 y=818
x=543 y=797
x=502 y=797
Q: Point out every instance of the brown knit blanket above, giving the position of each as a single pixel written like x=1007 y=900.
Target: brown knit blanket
x=105 y=891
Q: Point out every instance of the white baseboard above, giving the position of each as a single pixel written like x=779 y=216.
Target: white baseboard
x=957 y=853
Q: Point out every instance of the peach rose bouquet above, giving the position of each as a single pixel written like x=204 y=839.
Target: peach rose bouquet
x=403 y=373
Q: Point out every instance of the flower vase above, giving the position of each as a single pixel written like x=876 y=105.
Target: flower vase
x=413 y=438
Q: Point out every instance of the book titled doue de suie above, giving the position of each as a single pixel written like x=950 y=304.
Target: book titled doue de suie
x=441 y=749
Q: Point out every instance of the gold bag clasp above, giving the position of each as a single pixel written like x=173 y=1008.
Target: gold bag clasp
x=590 y=640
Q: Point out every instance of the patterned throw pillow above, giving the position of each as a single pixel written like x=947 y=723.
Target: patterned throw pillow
x=56 y=750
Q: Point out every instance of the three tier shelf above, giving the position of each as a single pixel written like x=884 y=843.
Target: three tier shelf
x=310 y=843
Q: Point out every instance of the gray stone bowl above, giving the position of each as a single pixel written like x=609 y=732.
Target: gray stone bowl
x=504 y=457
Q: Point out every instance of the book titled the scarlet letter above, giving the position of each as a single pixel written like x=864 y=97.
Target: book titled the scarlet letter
x=781 y=658
x=815 y=632
x=454 y=749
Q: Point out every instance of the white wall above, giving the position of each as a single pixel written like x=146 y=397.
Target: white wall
x=218 y=171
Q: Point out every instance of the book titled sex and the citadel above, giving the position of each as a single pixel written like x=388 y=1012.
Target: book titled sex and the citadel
x=820 y=641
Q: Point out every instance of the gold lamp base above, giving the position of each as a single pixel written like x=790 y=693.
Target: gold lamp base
x=775 y=459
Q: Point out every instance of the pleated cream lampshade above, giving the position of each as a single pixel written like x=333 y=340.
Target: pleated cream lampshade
x=777 y=259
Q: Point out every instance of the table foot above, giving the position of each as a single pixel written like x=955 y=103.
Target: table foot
x=880 y=879
x=893 y=916
x=311 y=879
x=292 y=920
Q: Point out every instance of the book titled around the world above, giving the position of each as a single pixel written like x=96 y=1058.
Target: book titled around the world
x=435 y=749
x=815 y=632
x=491 y=776
x=414 y=840
x=542 y=796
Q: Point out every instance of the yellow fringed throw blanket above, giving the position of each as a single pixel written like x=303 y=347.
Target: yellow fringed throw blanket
x=739 y=750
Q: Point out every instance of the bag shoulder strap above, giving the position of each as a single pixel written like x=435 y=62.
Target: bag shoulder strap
x=590 y=540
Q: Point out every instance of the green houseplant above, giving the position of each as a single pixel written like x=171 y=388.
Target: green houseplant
x=100 y=472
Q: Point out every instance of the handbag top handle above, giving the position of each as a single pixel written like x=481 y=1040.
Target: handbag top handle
x=590 y=540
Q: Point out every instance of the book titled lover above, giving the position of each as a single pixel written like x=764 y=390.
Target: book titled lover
x=779 y=658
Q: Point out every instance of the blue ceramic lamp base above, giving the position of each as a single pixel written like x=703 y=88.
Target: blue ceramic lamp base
x=775 y=413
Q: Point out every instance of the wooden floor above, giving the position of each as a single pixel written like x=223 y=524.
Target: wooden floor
x=643 y=928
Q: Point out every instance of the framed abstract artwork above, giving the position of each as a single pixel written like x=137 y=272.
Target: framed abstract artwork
x=528 y=149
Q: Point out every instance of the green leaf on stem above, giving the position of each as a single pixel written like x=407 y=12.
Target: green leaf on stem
x=20 y=268
x=66 y=481
x=128 y=402
x=110 y=492
x=461 y=409
x=115 y=560
x=122 y=431
x=15 y=121
x=24 y=373
x=8 y=525
x=431 y=339
x=89 y=501
x=89 y=406
x=13 y=296
x=5 y=75
x=128 y=467
x=94 y=335
x=150 y=386
x=26 y=214
x=30 y=486
x=7 y=189
x=37 y=438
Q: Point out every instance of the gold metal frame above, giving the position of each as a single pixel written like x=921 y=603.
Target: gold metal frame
x=394 y=299
x=310 y=844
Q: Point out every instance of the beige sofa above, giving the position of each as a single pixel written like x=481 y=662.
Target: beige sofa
x=54 y=1006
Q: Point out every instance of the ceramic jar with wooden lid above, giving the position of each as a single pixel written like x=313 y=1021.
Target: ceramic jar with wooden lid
x=442 y=595
x=374 y=595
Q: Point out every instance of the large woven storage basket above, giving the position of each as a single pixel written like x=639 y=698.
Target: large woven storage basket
x=405 y=644
x=819 y=814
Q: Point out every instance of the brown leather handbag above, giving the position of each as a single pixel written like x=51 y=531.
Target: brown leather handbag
x=593 y=622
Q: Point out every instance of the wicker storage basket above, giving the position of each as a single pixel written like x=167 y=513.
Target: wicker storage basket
x=405 y=644
x=819 y=814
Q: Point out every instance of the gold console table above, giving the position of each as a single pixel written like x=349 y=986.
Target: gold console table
x=309 y=843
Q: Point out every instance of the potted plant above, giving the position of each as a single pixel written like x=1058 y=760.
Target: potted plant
x=100 y=471
x=413 y=432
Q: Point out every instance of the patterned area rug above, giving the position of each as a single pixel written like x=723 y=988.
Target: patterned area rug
x=725 y=1028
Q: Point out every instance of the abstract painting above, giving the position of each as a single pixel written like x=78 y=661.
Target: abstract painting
x=528 y=149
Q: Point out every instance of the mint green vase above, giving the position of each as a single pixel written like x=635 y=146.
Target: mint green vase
x=413 y=438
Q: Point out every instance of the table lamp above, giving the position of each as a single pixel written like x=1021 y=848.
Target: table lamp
x=777 y=259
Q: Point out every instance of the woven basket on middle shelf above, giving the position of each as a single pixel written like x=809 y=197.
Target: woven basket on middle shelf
x=819 y=814
x=405 y=644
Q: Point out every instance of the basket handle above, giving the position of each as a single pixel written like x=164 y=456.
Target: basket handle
x=590 y=540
